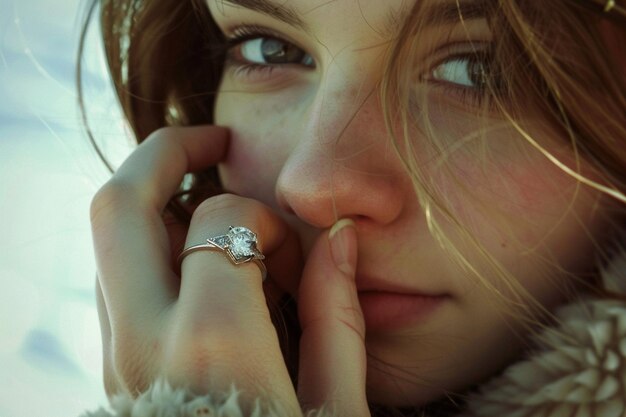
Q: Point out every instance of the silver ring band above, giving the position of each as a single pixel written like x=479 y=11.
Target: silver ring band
x=239 y=245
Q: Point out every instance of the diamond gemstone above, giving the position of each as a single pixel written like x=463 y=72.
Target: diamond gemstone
x=242 y=242
x=221 y=241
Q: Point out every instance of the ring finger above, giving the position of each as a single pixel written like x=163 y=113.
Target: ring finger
x=222 y=331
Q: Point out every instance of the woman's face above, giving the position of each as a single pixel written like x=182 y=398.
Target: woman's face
x=300 y=95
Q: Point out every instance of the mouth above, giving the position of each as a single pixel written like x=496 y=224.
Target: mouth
x=392 y=311
x=386 y=309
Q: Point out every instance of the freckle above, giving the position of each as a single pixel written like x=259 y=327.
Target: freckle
x=503 y=244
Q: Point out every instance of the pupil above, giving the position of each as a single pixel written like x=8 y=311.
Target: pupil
x=482 y=72
x=278 y=52
x=477 y=72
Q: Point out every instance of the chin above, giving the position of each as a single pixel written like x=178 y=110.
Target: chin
x=402 y=387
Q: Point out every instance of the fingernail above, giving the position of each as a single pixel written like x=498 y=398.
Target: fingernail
x=342 y=237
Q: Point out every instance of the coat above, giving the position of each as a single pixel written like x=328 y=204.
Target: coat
x=576 y=368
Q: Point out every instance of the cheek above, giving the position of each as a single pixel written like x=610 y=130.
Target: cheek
x=498 y=180
x=248 y=169
x=258 y=146
x=516 y=185
x=518 y=200
x=528 y=213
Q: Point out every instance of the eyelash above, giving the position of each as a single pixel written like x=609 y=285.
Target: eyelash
x=477 y=96
x=470 y=96
x=242 y=34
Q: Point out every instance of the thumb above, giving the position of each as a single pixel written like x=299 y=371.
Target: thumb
x=332 y=351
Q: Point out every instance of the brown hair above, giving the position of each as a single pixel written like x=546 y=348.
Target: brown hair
x=166 y=61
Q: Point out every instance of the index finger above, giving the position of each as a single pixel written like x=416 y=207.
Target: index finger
x=130 y=238
x=333 y=360
x=159 y=163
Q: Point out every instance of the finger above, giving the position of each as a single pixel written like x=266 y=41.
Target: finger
x=275 y=239
x=130 y=239
x=111 y=385
x=332 y=351
x=222 y=331
x=156 y=168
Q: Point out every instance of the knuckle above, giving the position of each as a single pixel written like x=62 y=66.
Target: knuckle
x=163 y=133
x=192 y=355
x=166 y=139
x=241 y=210
x=202 y=342
x=222 y=206
x=347 y=318
x=112 y=197
x=217 y=204
x=353 y=321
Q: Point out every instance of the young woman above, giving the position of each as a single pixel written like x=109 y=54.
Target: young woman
x=386 y=205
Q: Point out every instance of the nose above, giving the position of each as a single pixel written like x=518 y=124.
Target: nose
x=343 y=163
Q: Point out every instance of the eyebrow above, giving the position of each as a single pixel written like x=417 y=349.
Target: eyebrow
x=281 y=12
x=455 y=12
x=445 y=13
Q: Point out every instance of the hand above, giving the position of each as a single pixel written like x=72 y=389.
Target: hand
x=212 y=327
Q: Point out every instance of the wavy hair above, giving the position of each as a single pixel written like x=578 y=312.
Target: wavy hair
x=556 y=56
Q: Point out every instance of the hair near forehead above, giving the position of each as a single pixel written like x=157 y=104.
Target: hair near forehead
x=166 y=58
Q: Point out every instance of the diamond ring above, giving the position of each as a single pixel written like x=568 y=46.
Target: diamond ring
x=239 y=244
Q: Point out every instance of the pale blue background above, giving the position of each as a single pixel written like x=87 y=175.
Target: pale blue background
x=50 y=353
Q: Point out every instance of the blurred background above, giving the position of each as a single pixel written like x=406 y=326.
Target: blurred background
x=50 y=353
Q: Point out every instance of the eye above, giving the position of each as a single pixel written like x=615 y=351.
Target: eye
x=470 y=76
x=271 y=51
x=470 y=71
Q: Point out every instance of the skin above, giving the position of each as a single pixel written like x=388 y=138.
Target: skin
x=287 y=151
x=304 y=148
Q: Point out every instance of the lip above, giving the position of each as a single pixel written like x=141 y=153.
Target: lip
x=387 y=306
x=391 y=311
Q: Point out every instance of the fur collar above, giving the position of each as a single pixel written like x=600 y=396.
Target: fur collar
x=578 y=369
